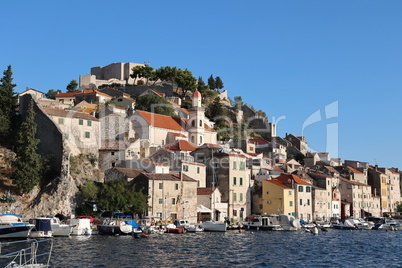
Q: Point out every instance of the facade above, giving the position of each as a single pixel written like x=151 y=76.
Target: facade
x=277 y=198
x=211 y=198
x=299 y=142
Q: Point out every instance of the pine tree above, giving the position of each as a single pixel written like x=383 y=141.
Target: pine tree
x=211 y=83
x=8 y=101
x=28 y=164
x=218 y=83
x=72 y=87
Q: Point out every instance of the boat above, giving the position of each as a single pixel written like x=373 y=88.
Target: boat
x=352 y=224
x=12 y=226
x=42 y=228
x=192 y=228
x=390 y=225
x=273 y=223
x=80 y=227
x=58 y=228
x=117 y=224
x=28 y=253
x=211 y=226
x=173 y=229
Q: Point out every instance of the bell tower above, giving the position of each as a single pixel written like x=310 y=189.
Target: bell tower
x=196 y=121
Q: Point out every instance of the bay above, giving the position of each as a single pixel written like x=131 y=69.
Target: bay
x=335 y=248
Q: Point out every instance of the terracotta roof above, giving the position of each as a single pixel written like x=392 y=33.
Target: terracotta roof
x=69 y=113
x=277 y=169
x=285 y=179
x=353 y=182
x=162 y=121
x=157 y=93
x=278 y=183
x=69 y=94
x=180 y=145
x=168 y=177
x=393 y=171
x=129 y=172
x=209 y=145
x=184 y=110
x=331 y=169
x=353 y=170
x=204 y=191
x=174 y=104
x=261 y=141
x=94 y=91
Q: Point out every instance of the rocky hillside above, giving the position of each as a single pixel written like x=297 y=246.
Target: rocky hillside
x=58 y=197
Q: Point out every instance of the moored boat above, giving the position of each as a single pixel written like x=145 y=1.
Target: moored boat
x=273 y=223
x=173 y=229
x=117 y=224
x=12 y=226
x=80 y=226
x=58 y=228
x=189 y=227
x=351 y=224
x=41 y=229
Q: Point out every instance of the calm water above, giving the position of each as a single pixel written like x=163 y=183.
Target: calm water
x=335 y=248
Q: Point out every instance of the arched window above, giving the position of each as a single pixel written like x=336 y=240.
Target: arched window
x=200 y=139
x=193 y=123
x=200 y=123
x=192 y=139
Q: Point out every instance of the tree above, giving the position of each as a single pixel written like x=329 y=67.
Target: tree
x=186 y=81
x=51 y=94
x=72 y=87
x=8 y=102
x=28 y=163
x=214 y=110
x=89 y=191
x=211 y=83
x=238 y=102
x=155 y=104
x=218 y=83
x=136 y=72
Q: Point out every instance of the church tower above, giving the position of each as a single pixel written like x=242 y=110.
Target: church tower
x=196 y=121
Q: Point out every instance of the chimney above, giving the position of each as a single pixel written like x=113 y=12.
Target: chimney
x=376 y=167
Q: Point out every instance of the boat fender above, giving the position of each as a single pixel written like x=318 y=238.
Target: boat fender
x=144 y=235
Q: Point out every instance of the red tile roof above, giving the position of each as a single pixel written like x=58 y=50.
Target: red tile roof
x=353 y=170
x=129 y=172
x=204 y=191
x=178 y=135
x=168 y=177
x=180 y=145
x=163 y=121
x=260 y=141
x=286 y=177
x=68 y=113
x=210 y=145
x=69 y=94
x=278 y=183
x=94 y=91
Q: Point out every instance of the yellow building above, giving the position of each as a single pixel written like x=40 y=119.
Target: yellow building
x=277 y=198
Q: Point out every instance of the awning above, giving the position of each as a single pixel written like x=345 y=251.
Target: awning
x=203 y=209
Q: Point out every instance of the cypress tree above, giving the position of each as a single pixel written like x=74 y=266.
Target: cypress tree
x=28 y=164
x=8 y=102
x=211 y=83
x=218 y=83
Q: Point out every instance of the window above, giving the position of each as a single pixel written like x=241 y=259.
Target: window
x=301 y=202
x=308 y=202
x=81 y=122
x=300 y=188
x=112 y=153
x=198 y=170
x=290 y=192
x=198 y=183
x=242 y=165
x=234 y=181
x=200 y=139
x=176 y=186
x=234 y=212
x=87 y=134
x=89 y=123
x=185 y=167
x=200 y=123
x=61 y=121
x=308 y=189
x=193 y=123
x=160 y=185
x=234 y=196
x=241 y=197
x=113 y=164
x=66 y=136
x=241 y=181
x=160 y=200
x=173 y=201
x=234 y=165
x=290 y=203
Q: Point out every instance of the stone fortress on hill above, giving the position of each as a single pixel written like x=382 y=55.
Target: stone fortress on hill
x=183 y=167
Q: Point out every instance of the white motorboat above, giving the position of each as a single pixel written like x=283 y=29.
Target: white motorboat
x=80 y=226
x=41 y=229
x=12 y=226
x=273 y=223
x=117 y=224
x=391 y=225
x=350 y=224
x=189 y=227
x=58 y=228
x=210 y=226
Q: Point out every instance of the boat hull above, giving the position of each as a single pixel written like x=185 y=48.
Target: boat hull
x=105 y=229
x=61 y=230
x=266 y=228
x=214 y=227
x=11 y=231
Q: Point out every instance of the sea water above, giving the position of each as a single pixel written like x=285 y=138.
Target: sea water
x=335 y=248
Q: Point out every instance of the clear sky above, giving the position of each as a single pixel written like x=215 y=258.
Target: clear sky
x=332 y=69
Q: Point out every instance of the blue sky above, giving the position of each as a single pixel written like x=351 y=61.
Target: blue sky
x=287 y=58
